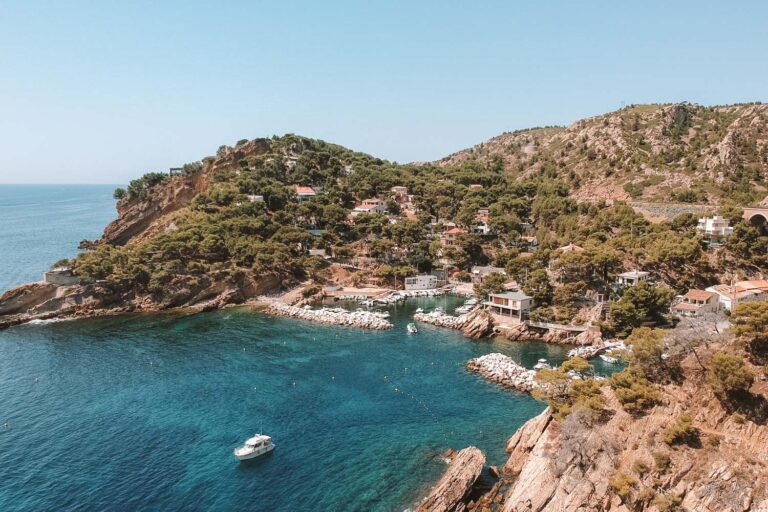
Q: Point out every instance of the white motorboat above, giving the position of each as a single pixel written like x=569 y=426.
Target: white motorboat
x=254 y=447
x=412 y=328
x=542 y=365
x=609 y=359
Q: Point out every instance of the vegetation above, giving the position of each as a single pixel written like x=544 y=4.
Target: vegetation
x=750 y=321
x=729 y=376
x=634 y=391
x=682 y=432
x=622 y=485
x=565 y=395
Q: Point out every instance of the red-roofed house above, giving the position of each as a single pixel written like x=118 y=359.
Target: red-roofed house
x=450 y=237
x=373 y=205
x=696 y=303
x=304 y=193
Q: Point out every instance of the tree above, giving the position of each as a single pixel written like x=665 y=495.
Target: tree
x=750 y=321
x=647 y=350
x=729 y=376
x=640 y=303
x=538 y=286
x=119 y=194
x=493 y=283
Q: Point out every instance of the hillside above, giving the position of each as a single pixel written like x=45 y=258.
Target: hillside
x=680 y=152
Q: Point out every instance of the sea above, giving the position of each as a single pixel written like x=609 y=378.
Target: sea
x=142 y=412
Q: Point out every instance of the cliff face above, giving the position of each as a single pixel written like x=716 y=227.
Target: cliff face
x=646 y=152
x=569 y=465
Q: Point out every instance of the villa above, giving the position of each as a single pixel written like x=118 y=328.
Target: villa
x=480 y=273
x=696 y=303
x=450 y=237
x=304 y=194
x=511 y=304
x=714 y=229
x=373 y=205
x=632 y=277
x=741 y=291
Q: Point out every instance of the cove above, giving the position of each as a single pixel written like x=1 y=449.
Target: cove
x=142 y=412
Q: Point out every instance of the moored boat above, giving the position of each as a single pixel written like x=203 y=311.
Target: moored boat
x=254 y=447
x=412 y=328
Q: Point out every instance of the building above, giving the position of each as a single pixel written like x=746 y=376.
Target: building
x=632 y=277
x=741 y=291
x=399 y=194
x=714 y=229
x=511 y=304
x=475 y=186
x=61 y=276
x=304 y=193
x=255 y=198
x=696 y=303
x=483 y=215
x=480 y=273
x=450 y=238
x=318 y=252
x=373 y=205
x=571 y=248
x=422 y=282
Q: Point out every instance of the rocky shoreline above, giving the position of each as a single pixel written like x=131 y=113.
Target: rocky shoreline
x=503 y=370
x=332 y=316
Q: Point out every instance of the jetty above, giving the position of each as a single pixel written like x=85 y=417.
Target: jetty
x=474 y=324
x=503 y=370
x=332 y=316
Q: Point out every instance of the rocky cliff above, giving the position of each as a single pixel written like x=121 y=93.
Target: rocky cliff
x=623 y=463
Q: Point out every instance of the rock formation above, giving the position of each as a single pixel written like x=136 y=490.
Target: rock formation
x=452 y=491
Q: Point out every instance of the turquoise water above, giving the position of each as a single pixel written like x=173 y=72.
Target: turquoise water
x=143 y=412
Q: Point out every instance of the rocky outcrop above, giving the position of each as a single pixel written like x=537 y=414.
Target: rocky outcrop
x=451 y=493
x=22 y=298
x=474 y=324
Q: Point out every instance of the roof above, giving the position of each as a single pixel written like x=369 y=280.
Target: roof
x=455 y=231
x=479 y=269
x=682 y=306
x=698 y=295
x=511 y=295
x=257 y=439
x=571 y=248
x=305 y=190
x=634 y=273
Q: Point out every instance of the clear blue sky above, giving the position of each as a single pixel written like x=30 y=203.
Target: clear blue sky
x=101 y=92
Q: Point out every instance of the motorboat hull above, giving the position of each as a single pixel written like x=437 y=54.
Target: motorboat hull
x=263 y=450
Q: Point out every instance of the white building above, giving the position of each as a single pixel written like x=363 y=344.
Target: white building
x=715 y=229
x=632 y=277
x=741 y=291
x=61 y=276
x=480 y=273
x=373 y=205
x=423 y=282
x=512 y=304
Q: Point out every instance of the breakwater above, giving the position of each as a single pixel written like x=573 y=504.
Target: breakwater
x=503 y=370
x=333 y=316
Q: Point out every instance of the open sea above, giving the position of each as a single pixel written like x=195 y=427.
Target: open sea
x=142 y=412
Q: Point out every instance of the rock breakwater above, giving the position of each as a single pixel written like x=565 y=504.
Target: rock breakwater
x=503 y=370
x=474 y=324
x=333 y=316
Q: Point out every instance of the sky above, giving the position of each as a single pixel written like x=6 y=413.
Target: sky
x=102 y=92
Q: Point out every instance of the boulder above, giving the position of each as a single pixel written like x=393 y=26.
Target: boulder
x=451 y=493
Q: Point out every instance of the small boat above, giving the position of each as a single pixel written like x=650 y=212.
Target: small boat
x=542 y=365
x=609 y=359
x=254 y=447
x=412 y=328
x=419 y=310
x=470 y=302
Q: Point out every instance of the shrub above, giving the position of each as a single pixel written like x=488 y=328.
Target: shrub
x=729 y=376
x=621 y=485
x=310 y=290
x=662 y=461
x=682 y=432
x=119 y=193
x=667 y=502
x=640 y=467
x=634 y=391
